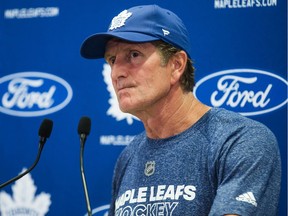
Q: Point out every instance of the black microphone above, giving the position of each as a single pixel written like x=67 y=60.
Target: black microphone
x=84 y=127
x=44 y=133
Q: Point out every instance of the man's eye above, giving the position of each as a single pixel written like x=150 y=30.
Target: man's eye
x=111 y=60
x=134 y=54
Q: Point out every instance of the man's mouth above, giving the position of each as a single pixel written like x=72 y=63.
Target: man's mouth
x=121 y=86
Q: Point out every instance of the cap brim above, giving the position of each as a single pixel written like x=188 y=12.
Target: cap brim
x=94 y=46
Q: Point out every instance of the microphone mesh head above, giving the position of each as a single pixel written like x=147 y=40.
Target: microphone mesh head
x=84 y=125
x=45 y=128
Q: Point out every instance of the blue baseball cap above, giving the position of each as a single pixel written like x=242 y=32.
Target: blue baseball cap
x=140 y=24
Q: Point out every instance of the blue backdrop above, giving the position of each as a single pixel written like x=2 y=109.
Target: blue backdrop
x=42 y=75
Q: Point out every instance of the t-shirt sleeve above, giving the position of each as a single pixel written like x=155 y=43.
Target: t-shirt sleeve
x=248 y=171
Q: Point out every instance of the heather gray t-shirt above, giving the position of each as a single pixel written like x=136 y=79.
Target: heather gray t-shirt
x=223 y=164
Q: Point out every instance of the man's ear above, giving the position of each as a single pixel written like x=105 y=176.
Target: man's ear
x=178 y=65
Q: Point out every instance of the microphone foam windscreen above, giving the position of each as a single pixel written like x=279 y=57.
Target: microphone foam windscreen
x=45 y=128
x=84 y=125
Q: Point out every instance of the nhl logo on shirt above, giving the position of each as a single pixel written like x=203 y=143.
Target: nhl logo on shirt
x=149 y=168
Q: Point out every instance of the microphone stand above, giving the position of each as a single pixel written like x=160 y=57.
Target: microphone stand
x=82 y=142
x=40 y=148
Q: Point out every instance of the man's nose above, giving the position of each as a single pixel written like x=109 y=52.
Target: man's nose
x=119 y=68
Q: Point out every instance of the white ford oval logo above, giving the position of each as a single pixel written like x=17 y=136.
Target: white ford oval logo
x=100 y=211
x=29 y=94
x=247 y=91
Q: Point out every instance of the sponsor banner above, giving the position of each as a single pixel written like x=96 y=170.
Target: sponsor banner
x=115 y=139
x=42 y=75
x=100 y=211
x=247 y=91
x=31 y=94
x=28 y=13
x=222 y=4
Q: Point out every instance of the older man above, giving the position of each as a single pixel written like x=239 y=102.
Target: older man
x=191 y=159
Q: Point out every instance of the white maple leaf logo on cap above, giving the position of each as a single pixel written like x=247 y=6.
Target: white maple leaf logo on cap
x=114 y=109
x=119 y=20
x=23 y=201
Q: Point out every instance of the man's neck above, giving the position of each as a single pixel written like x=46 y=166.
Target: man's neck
x=174 y=117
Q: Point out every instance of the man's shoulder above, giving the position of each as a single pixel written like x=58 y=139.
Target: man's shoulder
x=225 y=128
x=228 y=121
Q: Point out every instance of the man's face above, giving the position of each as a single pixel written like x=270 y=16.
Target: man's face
x=139 y=78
